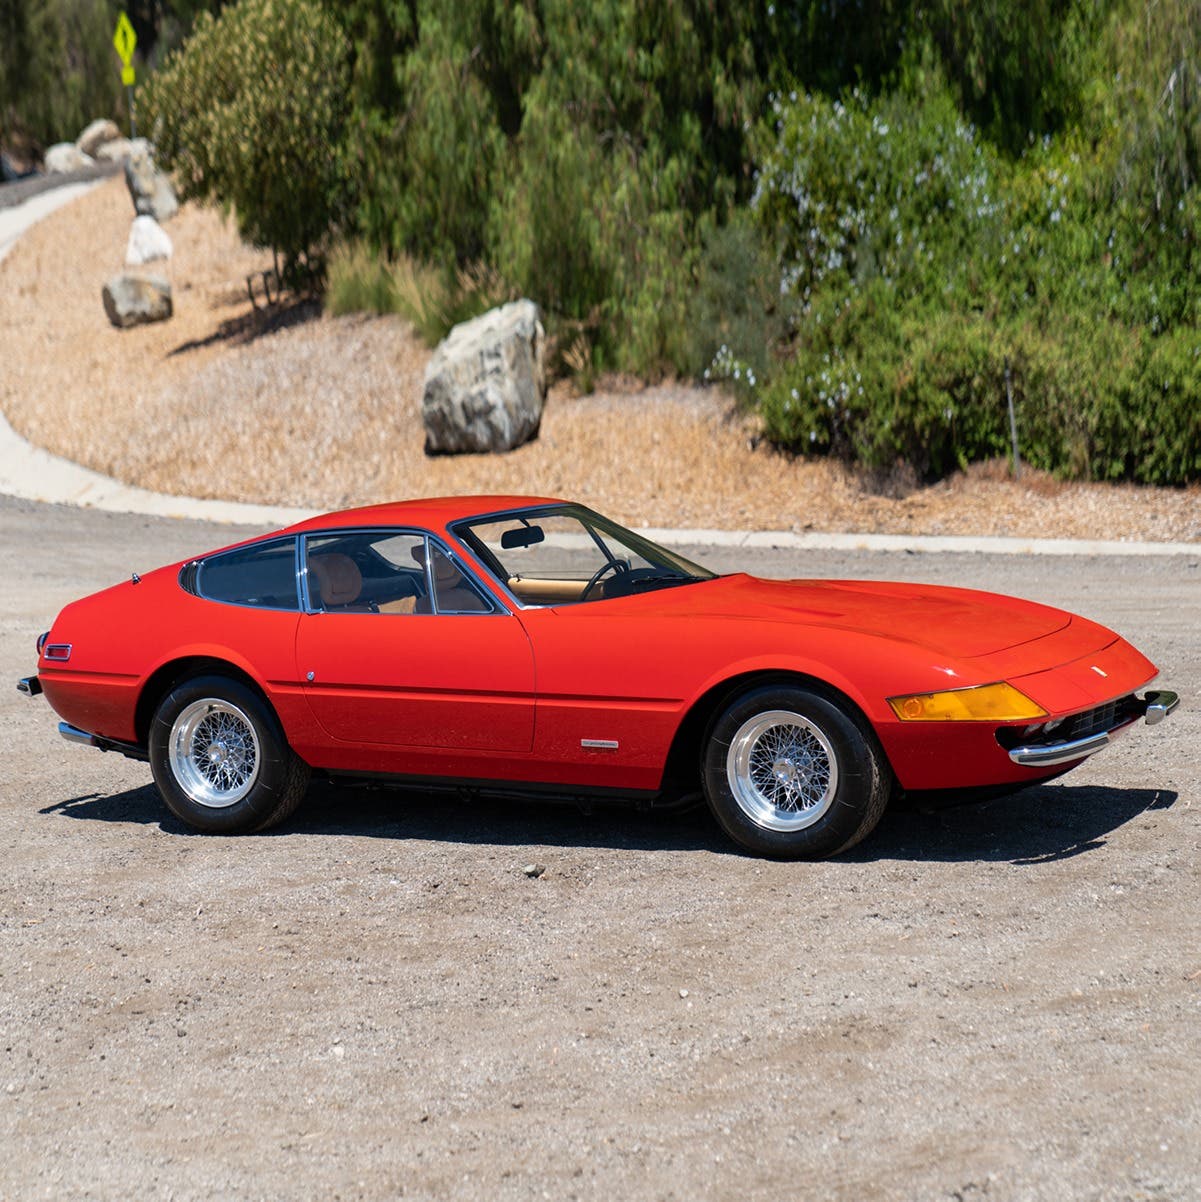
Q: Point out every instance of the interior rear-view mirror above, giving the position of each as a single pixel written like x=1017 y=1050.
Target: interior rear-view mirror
x=522 y=536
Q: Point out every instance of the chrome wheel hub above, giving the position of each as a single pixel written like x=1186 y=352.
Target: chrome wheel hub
x=214 y=753
x=782 y=770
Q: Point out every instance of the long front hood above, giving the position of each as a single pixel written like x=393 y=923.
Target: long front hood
x=949 y=622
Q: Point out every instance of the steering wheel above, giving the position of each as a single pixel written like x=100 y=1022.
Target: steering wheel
x=610 y=565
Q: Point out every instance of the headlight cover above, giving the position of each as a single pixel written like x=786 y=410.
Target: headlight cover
x=999 y=702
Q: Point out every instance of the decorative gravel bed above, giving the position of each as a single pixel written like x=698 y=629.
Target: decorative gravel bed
x=298 y=408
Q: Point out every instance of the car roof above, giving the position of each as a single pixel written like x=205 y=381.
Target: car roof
x=429 y=513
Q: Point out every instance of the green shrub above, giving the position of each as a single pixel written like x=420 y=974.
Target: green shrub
x=897 y=189
x=358 y=280
x=930 y=279
x=734 y=319
x=249 y=114
x=1092 y=400
x=1163 y=413
x=576 y=149
x=434 y=299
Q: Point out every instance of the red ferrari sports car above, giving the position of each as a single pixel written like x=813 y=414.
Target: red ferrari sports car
x=519 y=645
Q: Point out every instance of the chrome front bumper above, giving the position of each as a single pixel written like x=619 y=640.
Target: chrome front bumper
x=1155 y=707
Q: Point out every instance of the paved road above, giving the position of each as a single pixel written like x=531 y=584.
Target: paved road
x=17 y=192
x=998 y=1002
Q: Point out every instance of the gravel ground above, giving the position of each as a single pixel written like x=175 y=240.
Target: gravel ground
x=999 y=1002
x=299 y=409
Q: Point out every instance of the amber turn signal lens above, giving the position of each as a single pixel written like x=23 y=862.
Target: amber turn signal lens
x=988 y=703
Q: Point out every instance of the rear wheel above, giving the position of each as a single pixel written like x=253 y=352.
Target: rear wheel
x=790 y=773
x=220 y=759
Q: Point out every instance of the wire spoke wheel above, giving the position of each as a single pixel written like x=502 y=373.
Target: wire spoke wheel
x=782 y=770
x=214 y=752
x=221 y=759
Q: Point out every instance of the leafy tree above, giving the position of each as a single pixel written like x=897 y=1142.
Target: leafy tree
x=250 y=114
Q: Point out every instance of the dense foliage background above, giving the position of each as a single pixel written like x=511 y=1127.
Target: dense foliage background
x=58 y=68
x=881 y=220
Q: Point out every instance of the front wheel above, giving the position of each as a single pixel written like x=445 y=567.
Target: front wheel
x=220 y=759
x=791 y=773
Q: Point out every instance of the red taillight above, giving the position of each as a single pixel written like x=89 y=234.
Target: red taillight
x=42 y=640
x=58 y=652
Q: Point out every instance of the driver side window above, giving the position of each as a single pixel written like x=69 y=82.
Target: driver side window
x=454 y=592
x=383 y=571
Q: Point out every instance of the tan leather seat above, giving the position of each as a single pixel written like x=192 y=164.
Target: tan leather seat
x=338 y=579
x=454 y=594
x=401 y=605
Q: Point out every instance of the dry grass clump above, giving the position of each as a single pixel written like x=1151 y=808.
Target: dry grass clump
x=305 y=409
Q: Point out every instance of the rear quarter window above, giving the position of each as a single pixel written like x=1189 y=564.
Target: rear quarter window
x=263 y=575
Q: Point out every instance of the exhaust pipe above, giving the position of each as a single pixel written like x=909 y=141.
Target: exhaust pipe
x=74 y=735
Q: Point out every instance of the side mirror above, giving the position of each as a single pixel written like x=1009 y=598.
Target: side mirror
x=522 y=536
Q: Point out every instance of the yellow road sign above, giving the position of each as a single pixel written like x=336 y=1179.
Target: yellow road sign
x=124 y=39
x=127 y=75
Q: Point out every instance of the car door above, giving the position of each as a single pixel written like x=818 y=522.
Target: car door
x=399 y=646
x=611 y=688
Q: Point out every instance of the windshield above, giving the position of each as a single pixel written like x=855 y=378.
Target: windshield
x=566 y=554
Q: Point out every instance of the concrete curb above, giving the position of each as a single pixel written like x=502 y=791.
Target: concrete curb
x=33 y=474
x=15 y=220
x=785 y=540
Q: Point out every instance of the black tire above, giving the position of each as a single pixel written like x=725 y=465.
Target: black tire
x=791 y=773
x=250 y=780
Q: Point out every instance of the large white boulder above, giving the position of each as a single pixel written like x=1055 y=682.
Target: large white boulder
x=134 y=300
x=486 y=384
x=65 y=157
x=148 y=241
x=96 y=135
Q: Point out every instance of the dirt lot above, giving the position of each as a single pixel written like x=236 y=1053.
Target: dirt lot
x=1000 y=1002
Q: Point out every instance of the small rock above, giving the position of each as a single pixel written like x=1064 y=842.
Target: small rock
x=98 y=134
x=15 y=169
x=149 y=189
x=64 y=157
x=131 y=300
x=683 y=993
x=116 y=151
x=534 y=870
x=148 y=241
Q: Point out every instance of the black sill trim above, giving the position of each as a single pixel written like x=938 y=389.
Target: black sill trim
x=508 y=790
x=131 y=751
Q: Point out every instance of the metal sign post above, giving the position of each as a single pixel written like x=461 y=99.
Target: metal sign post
x=125 y=41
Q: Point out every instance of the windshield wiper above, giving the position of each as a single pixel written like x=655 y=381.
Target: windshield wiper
x=658 y=581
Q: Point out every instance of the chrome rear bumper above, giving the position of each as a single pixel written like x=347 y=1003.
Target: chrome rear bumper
x=29 y=686
x=74 y=735
x=1154 y=708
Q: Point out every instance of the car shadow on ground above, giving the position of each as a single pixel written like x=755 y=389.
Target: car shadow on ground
x=1036 y=826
